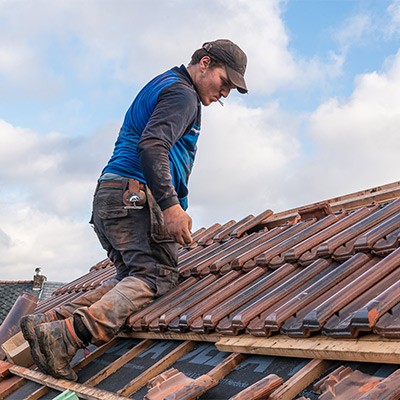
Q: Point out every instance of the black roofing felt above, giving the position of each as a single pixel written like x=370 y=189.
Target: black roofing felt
x=203 y=358
x=27 y=389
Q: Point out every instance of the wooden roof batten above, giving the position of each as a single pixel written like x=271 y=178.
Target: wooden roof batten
x=369 y=348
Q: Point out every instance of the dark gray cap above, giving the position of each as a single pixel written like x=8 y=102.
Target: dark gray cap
x=233 y=57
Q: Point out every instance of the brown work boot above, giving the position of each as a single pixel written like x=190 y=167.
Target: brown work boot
x=28 y=323
x=59 y=343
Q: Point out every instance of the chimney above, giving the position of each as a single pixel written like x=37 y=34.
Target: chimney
x=38 y=279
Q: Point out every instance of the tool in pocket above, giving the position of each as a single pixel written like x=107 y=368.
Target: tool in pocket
x=134 y=197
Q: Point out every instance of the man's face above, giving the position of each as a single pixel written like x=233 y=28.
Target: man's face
x=212 y=84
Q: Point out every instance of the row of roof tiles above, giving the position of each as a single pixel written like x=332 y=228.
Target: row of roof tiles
x=339 y=299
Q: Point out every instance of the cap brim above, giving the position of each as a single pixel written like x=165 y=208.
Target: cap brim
x=237 y=79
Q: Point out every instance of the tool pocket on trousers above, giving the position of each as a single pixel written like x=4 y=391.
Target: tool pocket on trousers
x=158 y=231
x=113 y=213
x=167 y=278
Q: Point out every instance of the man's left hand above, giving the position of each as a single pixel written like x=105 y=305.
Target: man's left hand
x=178 y=224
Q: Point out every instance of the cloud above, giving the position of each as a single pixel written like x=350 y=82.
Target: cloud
x=354 y=30
x=271 y=63
x=319 y=73
x=52 y=172
x=47 y=184
x=63 y=247
x=243 y=154
x=42 y=154
x=393 y=27
x=115 y=38
x=356 y=139
x=24 y=73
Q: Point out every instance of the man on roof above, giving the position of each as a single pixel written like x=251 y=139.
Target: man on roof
x=139 y=205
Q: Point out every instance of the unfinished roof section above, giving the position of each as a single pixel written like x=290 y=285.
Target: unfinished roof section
x=152 y=370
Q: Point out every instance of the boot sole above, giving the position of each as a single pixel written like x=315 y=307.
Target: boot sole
x=28 y=331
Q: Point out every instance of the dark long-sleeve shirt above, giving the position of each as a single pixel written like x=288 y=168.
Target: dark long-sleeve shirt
x=157 y=141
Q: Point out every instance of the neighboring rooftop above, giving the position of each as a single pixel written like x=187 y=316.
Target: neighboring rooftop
x=267 y=305
x=38 y=287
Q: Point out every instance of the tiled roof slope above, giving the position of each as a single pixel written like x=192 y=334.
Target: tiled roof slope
x=330 y=268
x=49 y=288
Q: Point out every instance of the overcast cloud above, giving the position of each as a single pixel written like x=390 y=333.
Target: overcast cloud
x=315 y=124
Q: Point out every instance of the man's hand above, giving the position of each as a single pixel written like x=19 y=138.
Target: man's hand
x=178 y=224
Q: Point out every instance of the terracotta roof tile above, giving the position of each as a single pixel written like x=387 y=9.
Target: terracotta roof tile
x=362 y=313
x=251 y=255
x=388 y=325
x=170 y=319
x=387 y=244
x=239 y=306
x=306 y=252
x=340 y=239
x=226 y=233
x=344 y=383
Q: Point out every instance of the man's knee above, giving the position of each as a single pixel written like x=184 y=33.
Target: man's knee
x=132 y=289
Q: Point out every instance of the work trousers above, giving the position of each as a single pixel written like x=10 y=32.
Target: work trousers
x=85 y=300
x=144 y=255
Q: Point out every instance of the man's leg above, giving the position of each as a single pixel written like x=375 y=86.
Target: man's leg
x=129 y=233
x=29 y=322
x=100 y=322
x=85 y=300
x=60 y=340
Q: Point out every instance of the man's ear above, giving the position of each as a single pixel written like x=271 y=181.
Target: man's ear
x=205 y=62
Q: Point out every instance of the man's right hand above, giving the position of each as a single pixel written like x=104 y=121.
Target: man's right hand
x=178 y=224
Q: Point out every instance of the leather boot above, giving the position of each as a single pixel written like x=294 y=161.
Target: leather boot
x=28 y=323
x=59 y=343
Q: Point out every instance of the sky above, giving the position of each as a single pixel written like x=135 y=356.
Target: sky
x=321 y=118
